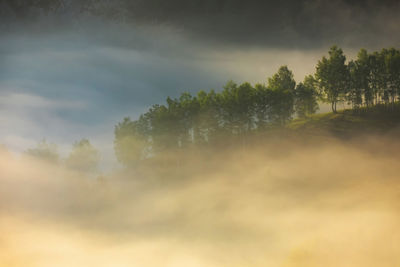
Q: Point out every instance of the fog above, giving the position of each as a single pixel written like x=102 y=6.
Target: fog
x=302 y=201
x=63 y=82
x=66 y=83
x=71 y=70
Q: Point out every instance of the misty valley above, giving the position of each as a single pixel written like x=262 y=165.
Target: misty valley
x=284 y=202
x=199 y=133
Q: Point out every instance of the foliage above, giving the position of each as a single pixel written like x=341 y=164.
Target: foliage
x=348 y=123
x=44 y=151
x=306 y=97
x=208 y=118
x=332 y=76
x=83 y=157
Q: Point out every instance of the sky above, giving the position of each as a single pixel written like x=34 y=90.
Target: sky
x=73 y=69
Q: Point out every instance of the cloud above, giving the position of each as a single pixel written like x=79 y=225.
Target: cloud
x=286 y=24
x=283 y=202
x=67 y=87
x=27 y=101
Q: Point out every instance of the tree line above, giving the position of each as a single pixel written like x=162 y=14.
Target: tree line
x=370 y=79
x=83 y=157
x=207 y=118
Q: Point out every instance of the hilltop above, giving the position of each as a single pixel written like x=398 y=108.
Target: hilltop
x=378 y=119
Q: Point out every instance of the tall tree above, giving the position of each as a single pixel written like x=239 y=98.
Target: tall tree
x=209 y=117
x=332 y=76
x=306 y=97
x=377 y=76
x=190 y=108
x=164 y=126
x=355 y=90
x=283 y=80
x=361 y=78
x=236 y=103
x=282 y=91
x=391 y=59
x=262 y=106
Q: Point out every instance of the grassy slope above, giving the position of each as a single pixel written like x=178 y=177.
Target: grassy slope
x=346 y=123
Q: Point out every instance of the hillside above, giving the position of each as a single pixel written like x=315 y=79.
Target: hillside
x=346 y=123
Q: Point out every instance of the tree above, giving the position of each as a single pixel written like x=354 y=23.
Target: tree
x=360 y=75
x=44 y=151
x=83 y=157
x=208 y=118
x=391 y=59
x=131 y=143
x=332 y=76
x=281 y=94
x=236 y=103
x=356 y=86
x=306 y=97
x=239 y=109
x=377 y=80
x=190 y=108
x=262 y=105
x=166 y=127
x=282 y=80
